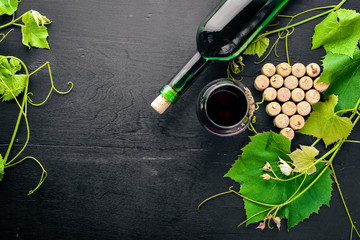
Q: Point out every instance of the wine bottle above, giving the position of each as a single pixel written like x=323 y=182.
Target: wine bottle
x=222 y=36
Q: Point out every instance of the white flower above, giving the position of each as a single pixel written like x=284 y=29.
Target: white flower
x=267 y=167
x=266 y=176
x=261 y=226
x=285 y=167
x=277 y=221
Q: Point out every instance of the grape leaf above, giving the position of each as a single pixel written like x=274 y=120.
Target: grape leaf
x=303 y=158
x=325 y=124
x=258 y=47
x=15 y=83
x=8 y=68
x=34 y=34
x=343 y=74
x=1 y=168
x=8 y=7
x=268 y=147
x=338 y=32
x=9 y=80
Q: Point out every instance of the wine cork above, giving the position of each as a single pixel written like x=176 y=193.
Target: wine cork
x=283 y=94
x=261 y=83
x=291 y=82
x=276 y=81
x=303 y=108
x=289 y=108
x=288 y=132
x=268 y=70
x=306 y=83
x=283 y=69
x=273 y=109
x=297 y=122
x=298 y=70
x=312 y=96
x=270 y=94
x=320 y=86
x=160 y=104
x=297 y=95
x=313 y=70
x=281 y=121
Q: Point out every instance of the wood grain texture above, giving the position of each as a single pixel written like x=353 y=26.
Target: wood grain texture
x=117 y=170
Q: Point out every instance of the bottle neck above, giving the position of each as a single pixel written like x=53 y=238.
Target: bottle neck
x=184 y=78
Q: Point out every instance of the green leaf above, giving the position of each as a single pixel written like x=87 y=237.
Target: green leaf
x=34 y=34
x=15 y=85
x=325 y=124
x=343 y=74
x=303 y=158
x=268 y=147
x=11 y=83
x=338 y=32
x=1 y=167
x=8 y=68
x=258 y=47
x=8 y=7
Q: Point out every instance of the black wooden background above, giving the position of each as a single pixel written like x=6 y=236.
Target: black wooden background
x=118 y=170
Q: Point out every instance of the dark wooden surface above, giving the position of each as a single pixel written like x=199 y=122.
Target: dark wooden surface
x=117 y=170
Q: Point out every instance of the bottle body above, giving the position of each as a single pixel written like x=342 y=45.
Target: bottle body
x=222 y=36
x=233 y=25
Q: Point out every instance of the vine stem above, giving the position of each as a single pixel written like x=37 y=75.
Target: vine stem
x=344 y=111
x=232 y=191
x=357 y=106
x=11 y=23
x=257 y=214
x=304 y=21
x=307 y=11
x=316 y=142
x=343 y=201
x=352 y=141
x=254 y=201
x=6 y=164
x=354 y=110
x=217 y=195
x=22 y=108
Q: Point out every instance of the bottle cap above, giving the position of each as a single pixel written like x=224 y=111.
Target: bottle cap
x=160 y=104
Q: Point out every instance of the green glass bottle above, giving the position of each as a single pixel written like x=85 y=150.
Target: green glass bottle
x=222 y=36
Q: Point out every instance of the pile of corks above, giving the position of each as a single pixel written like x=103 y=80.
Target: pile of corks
x=290 y=91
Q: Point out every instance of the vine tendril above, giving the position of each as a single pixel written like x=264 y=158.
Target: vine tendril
x=51 y=89
x=233 y=68
x=3 y=36
x=259 y=103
